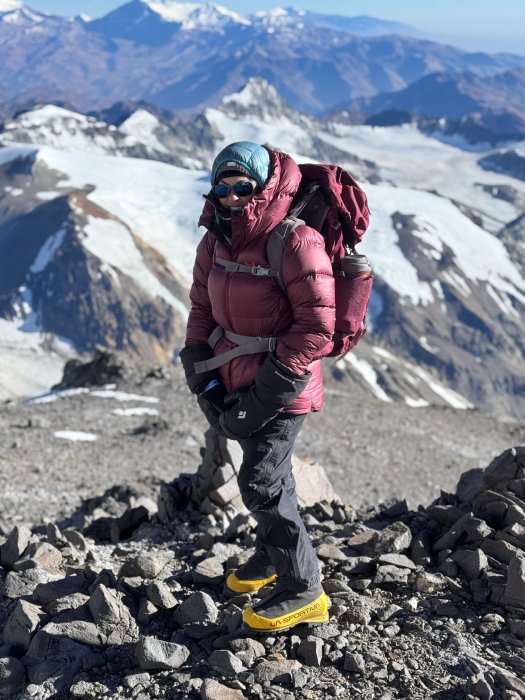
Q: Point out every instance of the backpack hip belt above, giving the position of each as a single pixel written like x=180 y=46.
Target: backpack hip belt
x=246 y=345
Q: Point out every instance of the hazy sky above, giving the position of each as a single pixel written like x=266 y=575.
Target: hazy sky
x=476 y=24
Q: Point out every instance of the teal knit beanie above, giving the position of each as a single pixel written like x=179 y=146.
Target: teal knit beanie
x=244 y=157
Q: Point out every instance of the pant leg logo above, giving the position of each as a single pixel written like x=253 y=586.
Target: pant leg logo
x=241 y=415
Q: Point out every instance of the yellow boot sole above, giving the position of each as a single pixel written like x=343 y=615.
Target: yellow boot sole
x=314 y=613
x=236 y=585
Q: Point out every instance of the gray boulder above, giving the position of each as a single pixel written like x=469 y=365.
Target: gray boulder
x=112 y=617
x=21 y=625
x=152 y=653
x=15 y=546
x=199 y=607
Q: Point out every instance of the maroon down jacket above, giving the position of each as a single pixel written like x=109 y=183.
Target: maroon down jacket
x=246 y=304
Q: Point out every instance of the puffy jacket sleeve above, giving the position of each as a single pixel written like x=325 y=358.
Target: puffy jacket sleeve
x=307 y=275
x=200 y=321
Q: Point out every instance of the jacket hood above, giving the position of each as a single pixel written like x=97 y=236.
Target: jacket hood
x=268 y=207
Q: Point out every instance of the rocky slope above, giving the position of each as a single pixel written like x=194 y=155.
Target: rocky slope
x=114 y=424
x=122 y=596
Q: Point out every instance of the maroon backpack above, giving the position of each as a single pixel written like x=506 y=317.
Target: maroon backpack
x=330 y=201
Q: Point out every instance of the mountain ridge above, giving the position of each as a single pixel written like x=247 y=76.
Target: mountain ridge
x=137 y=58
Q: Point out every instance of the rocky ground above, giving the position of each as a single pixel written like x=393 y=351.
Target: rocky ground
x=149 y=429
x=121 y=601
x=112 y=581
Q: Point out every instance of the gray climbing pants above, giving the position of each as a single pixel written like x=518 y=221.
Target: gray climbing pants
x=267 y=487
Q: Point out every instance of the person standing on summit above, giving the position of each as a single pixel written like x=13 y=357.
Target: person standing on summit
x=253 y=358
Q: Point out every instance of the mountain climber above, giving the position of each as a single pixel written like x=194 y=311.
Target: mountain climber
x=253 y=358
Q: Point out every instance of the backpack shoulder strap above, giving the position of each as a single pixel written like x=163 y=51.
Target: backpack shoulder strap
x=313 y=206
x=277 y=243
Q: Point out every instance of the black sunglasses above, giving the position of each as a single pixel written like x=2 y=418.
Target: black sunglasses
x=241 y=189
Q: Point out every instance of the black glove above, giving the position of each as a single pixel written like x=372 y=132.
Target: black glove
x=251 y=407
x=189 y=356
x=211 y=403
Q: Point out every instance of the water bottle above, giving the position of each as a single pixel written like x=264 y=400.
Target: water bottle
x=353 y=265
x=353 y=283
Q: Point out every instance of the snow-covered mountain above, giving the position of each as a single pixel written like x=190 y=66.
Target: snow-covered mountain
x=155 y=22
x=15 y=13
x=186 y=56
x=100 y=246
x=141 y=134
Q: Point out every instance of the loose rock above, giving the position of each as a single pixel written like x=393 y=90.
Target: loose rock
x=12 y=675
x=213 y=690
x=152 y=653
x=225 y=663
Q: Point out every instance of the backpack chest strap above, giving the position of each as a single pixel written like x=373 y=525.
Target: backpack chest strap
x=257 y=270
x=246 y=345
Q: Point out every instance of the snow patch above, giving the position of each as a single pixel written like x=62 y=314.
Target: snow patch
x=135 y=411
x=172 y=11
x=47 y=196
x=426 y=345
x=111 y=242
x=369 y=374
x=47 y=251
x=122 y=396
x=416 y=403
x=383 y=353
x=53 y=396
x=27 y=371
x=40 y=116
x=451 y=397
x=503 y=302
x=75 y=436
x=141 y=126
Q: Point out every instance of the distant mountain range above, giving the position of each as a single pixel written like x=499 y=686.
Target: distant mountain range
x=186 y=56
x=500 y=98
x=98 y=229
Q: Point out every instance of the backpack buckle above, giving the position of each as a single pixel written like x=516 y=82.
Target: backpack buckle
x=260 y=271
